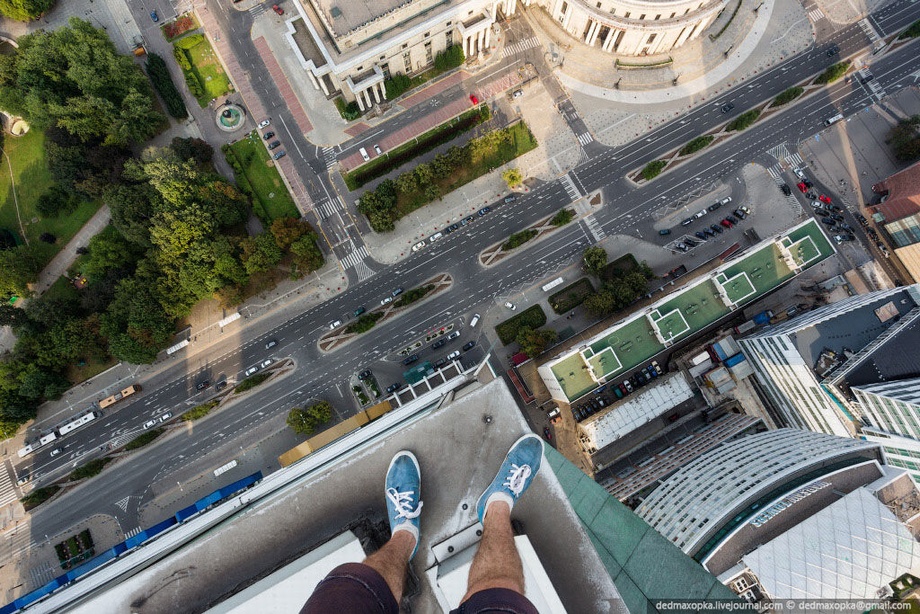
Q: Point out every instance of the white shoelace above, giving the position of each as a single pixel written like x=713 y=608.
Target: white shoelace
x=517 y=479
x=402 y=501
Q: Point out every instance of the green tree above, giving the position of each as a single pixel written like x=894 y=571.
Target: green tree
x=191 y=148
x=601 y=304
x=513 y=177
x=304 y=421
x=57 y=200
x=11 y=316
x=406 y=183
x=307 y=255
x=136 y=324
x=534 y=342
x=424 y=174
x=288 y=230
x=260 y=253
x=19 y=267
x=39 y=385
x=15 y=407
x=132 y=207
x=108 y=250
x=25 y=10
x=595 y=260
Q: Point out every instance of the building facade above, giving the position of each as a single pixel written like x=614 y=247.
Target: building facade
x=892 y=410
x=805 y=366
x=899 y=215
x=353 y=47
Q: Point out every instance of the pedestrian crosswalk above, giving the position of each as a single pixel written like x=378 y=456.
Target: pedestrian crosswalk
x=585 y=138
x=41 y=574
x=866 y=78
x=870 y=31
x=570 y=188
x=329 y=157
x=595 y=229
x=776 y=172
x=815 y=15
x=355 y=260
x=795 y=161
x=133 y=532
x=326 y=208
x=520 y=46
x=258 y=9
x=779 y=152
x=7 y=490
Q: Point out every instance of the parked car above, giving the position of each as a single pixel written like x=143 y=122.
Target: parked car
x=440 y=362
x=687 y=221
x=335 y=325
x=786 y=189
x=546 y=434
x=251 y=370
x=454 y=355
x=147 y=425
x=359 y=311
x=154 y=17
x=700 y=234
x=396 y=292
x=410 y=359
x=665 y=231
x=827 y=220
x=726 y=223
x=279 y=155
x=618 y=392
x=680 y=247
x=689 y=242
x=364 y=374
x=377 y=150
x=469 y=345
x=220 y=385
x=466 y=220
x=438 y=344
x=274 y=145
x=394 y=387
x=731 y=219
x=386 y=300
x=278 y=9
x=510 y=198
x=738 y=213
x=474 y=99
x=510 y=305
x=708 y=232
x=265 y=123
x=824 y=199
x=267 y=362
x=802 y=187
x=202 y=385
x=716 y=228
x=657 y=367
x=484 y=211
x=453 y=335
x=166 y=416
x=714 y=206
x=268 y=135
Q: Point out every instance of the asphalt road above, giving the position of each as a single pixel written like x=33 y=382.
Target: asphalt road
x=475 y=288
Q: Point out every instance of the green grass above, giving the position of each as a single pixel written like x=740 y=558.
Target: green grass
x=210 y=74
x=32 y=179
x=571 y=296
x=90 y=469
x=518 y=239
x=38 y=496
x=696 y=144
x=271 y=199
x=913 y=31
x=653 y=169
x=788 y=96
x=534 y=317
x=142 y=440
x=200 y=411
x=833 y=73
x=520 y=142
x=250 y=382
x=745 y=120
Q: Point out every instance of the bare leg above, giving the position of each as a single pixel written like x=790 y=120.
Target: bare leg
x=497 y=563
x=392 y=560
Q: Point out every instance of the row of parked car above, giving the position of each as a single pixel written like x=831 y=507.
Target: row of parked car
x=268 y=136
x=686 y=243
x=635 y=381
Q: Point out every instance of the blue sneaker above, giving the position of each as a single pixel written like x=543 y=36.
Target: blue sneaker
x=520 y=466
x=403 y=484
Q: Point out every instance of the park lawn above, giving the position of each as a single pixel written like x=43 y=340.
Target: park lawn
x=211 y=75
x=272 y=199
x=32 y=179
x=521 y=142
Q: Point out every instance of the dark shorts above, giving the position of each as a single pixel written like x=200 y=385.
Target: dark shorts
x=358 y=589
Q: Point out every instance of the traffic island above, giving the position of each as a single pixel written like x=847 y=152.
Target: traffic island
x=533 y=233
x=412 y=298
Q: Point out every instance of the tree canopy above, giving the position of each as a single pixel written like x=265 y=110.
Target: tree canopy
x=25 y=10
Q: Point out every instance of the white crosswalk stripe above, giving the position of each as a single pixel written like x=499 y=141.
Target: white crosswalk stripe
x=520 y=46
x=364 y=272
x=776 y=173
x=258 y=9
x=329 y=157
x=585 y=138
x=325 y=209
x=869 y=29
x=795 y=161
x=595 y=229
x=7 y=490
x=352 y=259
x=41 y=575
x=570 y=188
x=873 y=85
x=133 y=532
x=815 y=15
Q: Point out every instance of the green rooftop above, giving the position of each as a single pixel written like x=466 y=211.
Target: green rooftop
x=644 y=566
x=690 y=309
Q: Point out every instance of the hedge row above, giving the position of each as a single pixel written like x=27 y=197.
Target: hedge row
x=745 y=120
x=700 y=142
x=533 y=317
x=518 y=239
x=653 y=169
x=163 y=83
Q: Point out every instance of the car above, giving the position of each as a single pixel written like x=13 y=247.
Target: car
x=359 y=311
x=824 y=199
x=701 y=213
x=418 y=246
x=278 y=9
x=827 y=220
x=252 y=370
x=726 y=224
x=654 y=364
x=166 y=416
x=410 y=359
x=708 y=232
x=452 y=228
x=716 y=229
x=618 y=392
x=681 y=247
x=688 y=221
x=510 y=198
x=268 y=135
x=745 y=209
x=807 y=183
x=23 y=480
x=602 y=401
x=474 y=99
x=839 y=238
x=466 y=220
x=335 y=325
x=469 y=345
x=637 y=382
x=802 y=187
x=202 y=385
x=440 y=362
x=453 y=335
x=154 y=17
x=811 y=195
x=388 y=299
x=822 y=212
x=220 y=385
x=510 y=305
x=546 y=434
x=453 y=355
x=850 y=236
x=785 y=189
x=738 y=213
x=699 y=234
x=149 y=424
x=576 y=413
x=600 y=390
x=436 y=236
x=689 y=242
x=836 y=217
x=394 y=387
x=731 y=219
x=651 y=371
x=364 y=374
x=270 y=344
x=664 y=231
x=714 y=206
x=279 y=155
x=265 y=123
x=626 y=385
x=438 y=344
x=274 y=144
x=378 y=150
x=833 y=50
x=267 y=362
x=484 y=211
x=846 y=226
x=517 y=93
x=446 y=231
x=396 y=292
x=727 y=107
x=862 y=219
x=56 y=451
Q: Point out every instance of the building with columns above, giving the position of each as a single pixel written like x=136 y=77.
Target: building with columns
x=353 y=47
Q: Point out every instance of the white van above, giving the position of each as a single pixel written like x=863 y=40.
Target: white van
x=833 y=120
x=364 y=154
x=475 y=320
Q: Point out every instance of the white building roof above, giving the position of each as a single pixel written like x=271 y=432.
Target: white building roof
x=696 y=501
x=638 y=409
x=848 y=550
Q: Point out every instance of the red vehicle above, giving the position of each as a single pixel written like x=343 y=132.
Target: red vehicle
x=473 y=99
x=824 y=199
x=802 y=187
x=726 y=223
x=278 y=9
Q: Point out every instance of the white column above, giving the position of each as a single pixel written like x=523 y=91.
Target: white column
x=360 y=100
x=466 y=46
x=597 y=31
x=322 y=84
x=376 y=89
x=383 y=90
x=488 y=36
x=590 y=33
x=313 y=79
x=368 y=99
x=481 y=40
